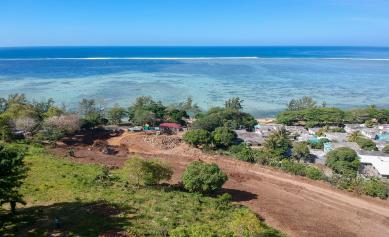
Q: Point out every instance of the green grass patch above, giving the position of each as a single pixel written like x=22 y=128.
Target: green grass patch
x=57 y=188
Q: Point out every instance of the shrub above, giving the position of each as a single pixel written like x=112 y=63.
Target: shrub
x=314 y=173
x=366 y=144
x=386 y=149
x=203 y=178
x=68 y=124
x=245 y=223
x=293 y=167
x=147 y=172
x=243 y=152
x=300 y=151
x=194 y=231
x=375 y=188
x=198 y=137
x=343 y=160
x=224 y=137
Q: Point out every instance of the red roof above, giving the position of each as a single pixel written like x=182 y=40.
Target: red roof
x=170 y=125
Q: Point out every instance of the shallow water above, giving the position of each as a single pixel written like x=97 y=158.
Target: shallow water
x=265 y=84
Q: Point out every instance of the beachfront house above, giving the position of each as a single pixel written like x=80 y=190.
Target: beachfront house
x=374 y=164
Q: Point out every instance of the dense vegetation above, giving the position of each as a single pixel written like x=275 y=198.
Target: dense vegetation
x=77 y=195
x=305 y=112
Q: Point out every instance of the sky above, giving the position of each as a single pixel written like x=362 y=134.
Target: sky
x=194 y=22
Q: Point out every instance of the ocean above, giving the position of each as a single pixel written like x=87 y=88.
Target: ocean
x=266 y=78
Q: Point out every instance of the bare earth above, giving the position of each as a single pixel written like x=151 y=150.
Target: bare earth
x=295 y=205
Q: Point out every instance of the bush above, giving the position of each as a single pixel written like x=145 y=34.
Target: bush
x=314 y=173
x=301 y=169
x=386 y=149
x=198 y=137
x=300 y=151
x=147 y=172
x=293 y=167
x=203 y=178
x=343 y=160
x=375 y=188
x=366 y=144
x=245 y=223
x=243 y=152
x=224 y=137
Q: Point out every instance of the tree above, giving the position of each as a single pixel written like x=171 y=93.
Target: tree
x=300 y=151
x=198 y=137
x=91 y=113
x=53 y=111
x=343 y=161
x=203 y=178
x=177 y=116
x=26 y=124
x=147 y=172
x=188 y=106
x=353 y=137
x=6 y=127
x=224 y=137
x=305 y=102
x=277 y=145
x=234 y=103
x=115 y=114
x=13 y=171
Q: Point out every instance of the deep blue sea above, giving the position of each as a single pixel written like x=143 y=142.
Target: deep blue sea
x=266 y=78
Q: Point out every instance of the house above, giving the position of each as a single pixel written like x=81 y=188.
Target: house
x=250 y=138
x=266 y=130
x=350 y=128
x=170 y=127
x=374 y=164
x=336 y=136
x=369 y=132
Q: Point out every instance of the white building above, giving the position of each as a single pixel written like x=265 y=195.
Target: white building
x=374 y=164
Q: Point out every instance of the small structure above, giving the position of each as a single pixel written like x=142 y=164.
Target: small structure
x=350 y=128
x=374 y=163
x=250 y=138
x=135 y=129
x=170 y=127
x=336 y=136
x=313 y=130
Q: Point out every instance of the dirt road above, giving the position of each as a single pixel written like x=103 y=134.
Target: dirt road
x=295 y=205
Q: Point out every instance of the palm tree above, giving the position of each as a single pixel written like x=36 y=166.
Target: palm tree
x=354 y=136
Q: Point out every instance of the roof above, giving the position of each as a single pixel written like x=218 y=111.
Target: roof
x=380 y=163
x=170 y=125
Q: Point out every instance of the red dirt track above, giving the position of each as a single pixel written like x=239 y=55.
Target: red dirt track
x=295 y=205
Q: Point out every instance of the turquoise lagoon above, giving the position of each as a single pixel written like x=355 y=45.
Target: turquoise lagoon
x=265 y=84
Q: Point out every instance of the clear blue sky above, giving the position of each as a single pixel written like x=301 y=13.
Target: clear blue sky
x=194 y=22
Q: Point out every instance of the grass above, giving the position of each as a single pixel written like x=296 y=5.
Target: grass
x=57 y=188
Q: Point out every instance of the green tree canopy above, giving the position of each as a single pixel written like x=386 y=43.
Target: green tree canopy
x=343 y=160
x=224 y=137
x=203 y=178
x=13 y=171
